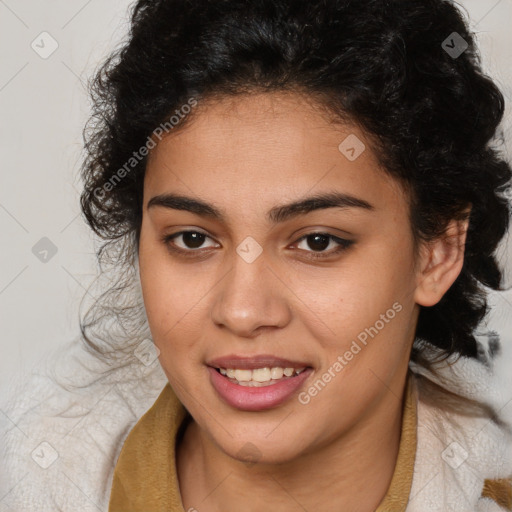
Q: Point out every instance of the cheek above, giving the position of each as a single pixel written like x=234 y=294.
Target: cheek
x=171 y=296
x=353 y=295
x=365 y=314
x=173 y=311
x=173 y=316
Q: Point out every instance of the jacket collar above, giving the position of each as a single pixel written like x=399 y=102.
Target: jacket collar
x=145 y=476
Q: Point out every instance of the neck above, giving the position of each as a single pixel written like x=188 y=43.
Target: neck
x=351 y=472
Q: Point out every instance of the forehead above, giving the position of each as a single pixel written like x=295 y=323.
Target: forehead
x=264 y=148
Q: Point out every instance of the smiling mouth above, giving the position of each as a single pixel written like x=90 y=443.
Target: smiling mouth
x=260 y=377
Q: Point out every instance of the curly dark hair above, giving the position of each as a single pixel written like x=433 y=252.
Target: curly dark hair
x=407 y=72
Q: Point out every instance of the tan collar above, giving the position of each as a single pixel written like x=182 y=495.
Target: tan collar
x=145 y=476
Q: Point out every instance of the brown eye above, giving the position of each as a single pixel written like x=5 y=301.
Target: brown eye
x=318 y=242
x=191 y=241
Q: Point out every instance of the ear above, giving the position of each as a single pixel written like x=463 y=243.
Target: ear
x=440 y=263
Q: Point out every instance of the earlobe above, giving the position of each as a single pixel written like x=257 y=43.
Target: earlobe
x=441 y=262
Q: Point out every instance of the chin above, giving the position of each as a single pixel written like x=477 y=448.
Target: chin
x=258 y=449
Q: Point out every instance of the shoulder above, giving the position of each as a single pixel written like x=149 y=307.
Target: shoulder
x=461 y=463
x=464 y=452
x=59 y=444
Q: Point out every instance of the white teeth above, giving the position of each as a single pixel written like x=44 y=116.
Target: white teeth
x=259 y=376
x=243 y=375
x=254 y=384
x=276 y=373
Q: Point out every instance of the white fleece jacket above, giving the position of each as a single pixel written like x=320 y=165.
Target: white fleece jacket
x=59 y=447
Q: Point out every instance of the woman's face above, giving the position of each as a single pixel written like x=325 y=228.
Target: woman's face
x=250 y=285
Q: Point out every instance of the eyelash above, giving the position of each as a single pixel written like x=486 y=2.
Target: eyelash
x=343 y=244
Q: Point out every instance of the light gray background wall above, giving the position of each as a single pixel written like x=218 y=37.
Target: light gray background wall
x=43 y=107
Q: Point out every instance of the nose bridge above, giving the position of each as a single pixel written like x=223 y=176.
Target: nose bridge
x=248 y=297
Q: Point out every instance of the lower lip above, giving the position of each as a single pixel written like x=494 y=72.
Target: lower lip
x=256 y=398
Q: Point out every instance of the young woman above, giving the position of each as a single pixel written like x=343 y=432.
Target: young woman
x=308 y=195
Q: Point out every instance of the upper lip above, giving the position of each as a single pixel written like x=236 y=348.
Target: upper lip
x=253 y=362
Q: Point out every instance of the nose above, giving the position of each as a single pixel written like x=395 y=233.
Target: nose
x=251 y=298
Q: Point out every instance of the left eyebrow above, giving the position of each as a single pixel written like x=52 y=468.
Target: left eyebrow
x=275 y=215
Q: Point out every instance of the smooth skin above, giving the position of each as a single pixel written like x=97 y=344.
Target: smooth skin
x=245 y=155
